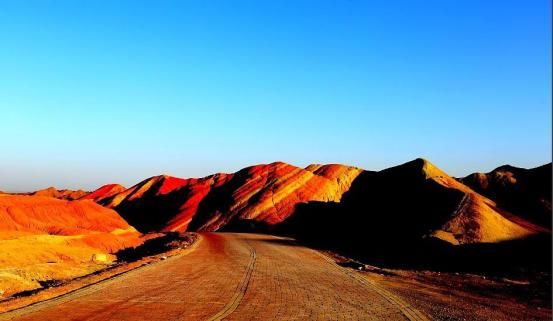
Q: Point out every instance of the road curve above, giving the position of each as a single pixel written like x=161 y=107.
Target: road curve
x=231 y=277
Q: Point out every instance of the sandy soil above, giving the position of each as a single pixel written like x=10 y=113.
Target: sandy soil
x=455 y=296
x=85 y=275
x=27 y=262
x=463 y=296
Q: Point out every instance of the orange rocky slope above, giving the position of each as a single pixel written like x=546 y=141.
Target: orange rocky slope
x=43 y=238
x=266 y=193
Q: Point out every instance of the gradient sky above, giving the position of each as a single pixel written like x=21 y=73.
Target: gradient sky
x=93 y=92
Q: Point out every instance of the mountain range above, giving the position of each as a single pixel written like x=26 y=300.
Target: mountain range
x=508 y=203
x=411 y=211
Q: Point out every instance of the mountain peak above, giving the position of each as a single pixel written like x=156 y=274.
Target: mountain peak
x=418 y=166
x=507 y=168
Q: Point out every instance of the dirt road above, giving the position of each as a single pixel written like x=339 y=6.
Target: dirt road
x=231 y=277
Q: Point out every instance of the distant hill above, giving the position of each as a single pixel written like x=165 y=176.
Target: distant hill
x=65 y=194
x=526 y=192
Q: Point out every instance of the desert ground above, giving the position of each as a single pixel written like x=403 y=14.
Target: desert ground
x=243 y=276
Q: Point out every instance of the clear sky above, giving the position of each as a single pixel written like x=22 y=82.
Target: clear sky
x=93 y=92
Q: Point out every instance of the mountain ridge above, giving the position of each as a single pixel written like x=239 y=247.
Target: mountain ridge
x=268 y=194
x=265 y=191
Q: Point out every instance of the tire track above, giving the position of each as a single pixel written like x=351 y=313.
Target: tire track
x=236 y=299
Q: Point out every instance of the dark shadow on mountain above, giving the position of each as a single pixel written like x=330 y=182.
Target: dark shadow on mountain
x=152 y=212
x=385 y=220
x=218 y=200
x=517 y=190
x=377 y=247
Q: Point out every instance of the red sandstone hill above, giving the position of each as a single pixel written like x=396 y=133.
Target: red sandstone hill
x=264 y=193
x=523 y=191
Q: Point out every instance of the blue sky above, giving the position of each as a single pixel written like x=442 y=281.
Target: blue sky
x=93 y=92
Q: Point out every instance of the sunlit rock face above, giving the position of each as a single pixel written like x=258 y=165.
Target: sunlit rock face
x=526 y=192
x=265 y=193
